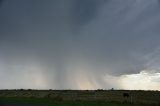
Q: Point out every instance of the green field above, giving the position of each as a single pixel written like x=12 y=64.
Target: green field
x=81 y=98
x=47 y=102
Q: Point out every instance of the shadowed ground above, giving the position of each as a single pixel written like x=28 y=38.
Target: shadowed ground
x=13 y=104
x=79 y=98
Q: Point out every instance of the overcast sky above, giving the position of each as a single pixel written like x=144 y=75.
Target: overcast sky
x=80 y=44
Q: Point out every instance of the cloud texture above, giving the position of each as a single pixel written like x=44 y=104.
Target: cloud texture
x=74 y=44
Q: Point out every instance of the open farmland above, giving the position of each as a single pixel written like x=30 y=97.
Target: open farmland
x=81 y=96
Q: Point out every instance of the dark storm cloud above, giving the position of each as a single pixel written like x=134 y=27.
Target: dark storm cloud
x=68 y=42
x=39 y=30
x=1 y=2
x=84 y=11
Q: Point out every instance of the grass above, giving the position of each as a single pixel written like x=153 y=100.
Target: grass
x=80 y=98
x=50 y=102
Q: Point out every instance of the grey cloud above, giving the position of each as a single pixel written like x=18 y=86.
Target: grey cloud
x=75 y=39
x=83 y=11
x=1 y=2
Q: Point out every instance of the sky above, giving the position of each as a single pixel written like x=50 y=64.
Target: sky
x=80 y=44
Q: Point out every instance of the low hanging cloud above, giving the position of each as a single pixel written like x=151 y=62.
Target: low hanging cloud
x=72 y=44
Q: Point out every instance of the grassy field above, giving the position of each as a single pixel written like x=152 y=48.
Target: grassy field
x=47 y=102
x=81 y=98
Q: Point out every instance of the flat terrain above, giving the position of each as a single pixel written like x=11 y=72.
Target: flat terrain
x=71 y=103
x=79 y=98
x=15 y=104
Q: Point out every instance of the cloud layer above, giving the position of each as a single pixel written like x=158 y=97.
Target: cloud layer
x=72 y=44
